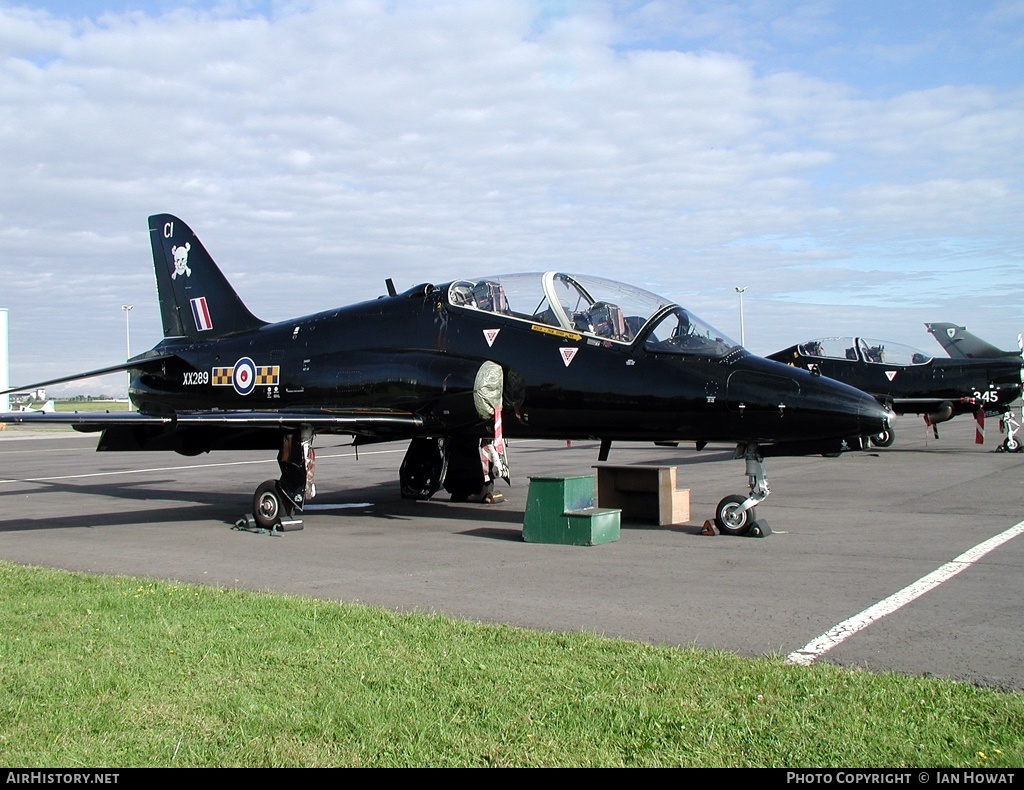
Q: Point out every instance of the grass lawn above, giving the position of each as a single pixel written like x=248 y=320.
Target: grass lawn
x=122 y=672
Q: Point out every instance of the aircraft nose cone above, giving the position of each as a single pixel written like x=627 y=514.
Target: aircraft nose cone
x=797 y=406
x=856 y=412
x=878 y=419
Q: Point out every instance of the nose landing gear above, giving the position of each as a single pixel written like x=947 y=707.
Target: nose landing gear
x=735 y=514
x=1009 y=425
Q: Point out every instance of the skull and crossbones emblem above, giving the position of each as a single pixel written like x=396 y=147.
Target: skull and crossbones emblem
x=181 y=260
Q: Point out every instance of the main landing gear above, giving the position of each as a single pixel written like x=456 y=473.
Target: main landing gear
x=465 y=466
x=276 y=501
x=735 y=514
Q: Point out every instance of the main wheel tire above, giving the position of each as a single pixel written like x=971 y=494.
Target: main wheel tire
x=730 y=520
x=423 y=468
x=1011 y=445
x=884 y=439
x=267 y=505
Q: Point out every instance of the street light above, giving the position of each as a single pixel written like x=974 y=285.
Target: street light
x=743 y=339
x=128 y=347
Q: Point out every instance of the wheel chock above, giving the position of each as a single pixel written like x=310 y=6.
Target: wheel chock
x=708 y=528
x=246 y=523
x=289 y=525
x=759 y=529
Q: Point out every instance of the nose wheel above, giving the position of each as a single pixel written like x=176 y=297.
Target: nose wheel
x=1010 y=426
x=884 y=439
x=731 y=518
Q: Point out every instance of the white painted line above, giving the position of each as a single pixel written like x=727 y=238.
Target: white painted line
x=190 y=466
x=353 y=454
x=340 y=506
x=813 y=650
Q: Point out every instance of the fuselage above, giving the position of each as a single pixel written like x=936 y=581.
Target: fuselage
x=421 y=352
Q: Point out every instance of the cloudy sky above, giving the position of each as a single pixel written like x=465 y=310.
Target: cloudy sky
x=857 y=166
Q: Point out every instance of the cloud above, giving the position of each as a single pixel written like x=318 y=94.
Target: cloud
x=319 y=147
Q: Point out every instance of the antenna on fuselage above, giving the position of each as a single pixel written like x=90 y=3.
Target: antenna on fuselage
x=391 y=287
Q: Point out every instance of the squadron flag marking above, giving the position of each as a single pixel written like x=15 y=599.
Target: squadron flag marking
x=245 y=376
x=201 y=313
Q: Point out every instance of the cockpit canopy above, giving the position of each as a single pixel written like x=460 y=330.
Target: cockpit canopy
x=863 y=349
x=593 y=306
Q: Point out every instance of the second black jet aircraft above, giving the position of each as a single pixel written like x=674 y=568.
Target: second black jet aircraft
x=455 y=369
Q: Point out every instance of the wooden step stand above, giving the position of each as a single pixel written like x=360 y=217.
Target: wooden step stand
x=561 y=509
x=643 y=492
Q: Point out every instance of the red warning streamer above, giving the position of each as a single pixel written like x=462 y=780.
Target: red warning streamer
x=499 y=441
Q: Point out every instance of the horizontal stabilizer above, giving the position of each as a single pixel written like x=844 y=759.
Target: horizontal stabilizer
x=146 y=361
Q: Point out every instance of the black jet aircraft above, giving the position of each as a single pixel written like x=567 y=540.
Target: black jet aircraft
x=455 y=369
x=910 y=381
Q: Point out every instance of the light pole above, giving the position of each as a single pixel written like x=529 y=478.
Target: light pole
x=743 y=339
x=128 y=347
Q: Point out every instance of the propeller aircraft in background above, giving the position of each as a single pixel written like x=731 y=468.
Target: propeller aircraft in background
x=961 y=344
x=911 y=382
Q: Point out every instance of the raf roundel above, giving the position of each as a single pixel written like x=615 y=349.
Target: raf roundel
x=243 y=378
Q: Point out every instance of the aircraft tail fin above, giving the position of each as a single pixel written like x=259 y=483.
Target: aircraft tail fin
x=196 y=300
x=961 y=344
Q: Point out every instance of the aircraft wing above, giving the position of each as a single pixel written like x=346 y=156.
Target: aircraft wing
x=928 y=402
x=354 y=421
